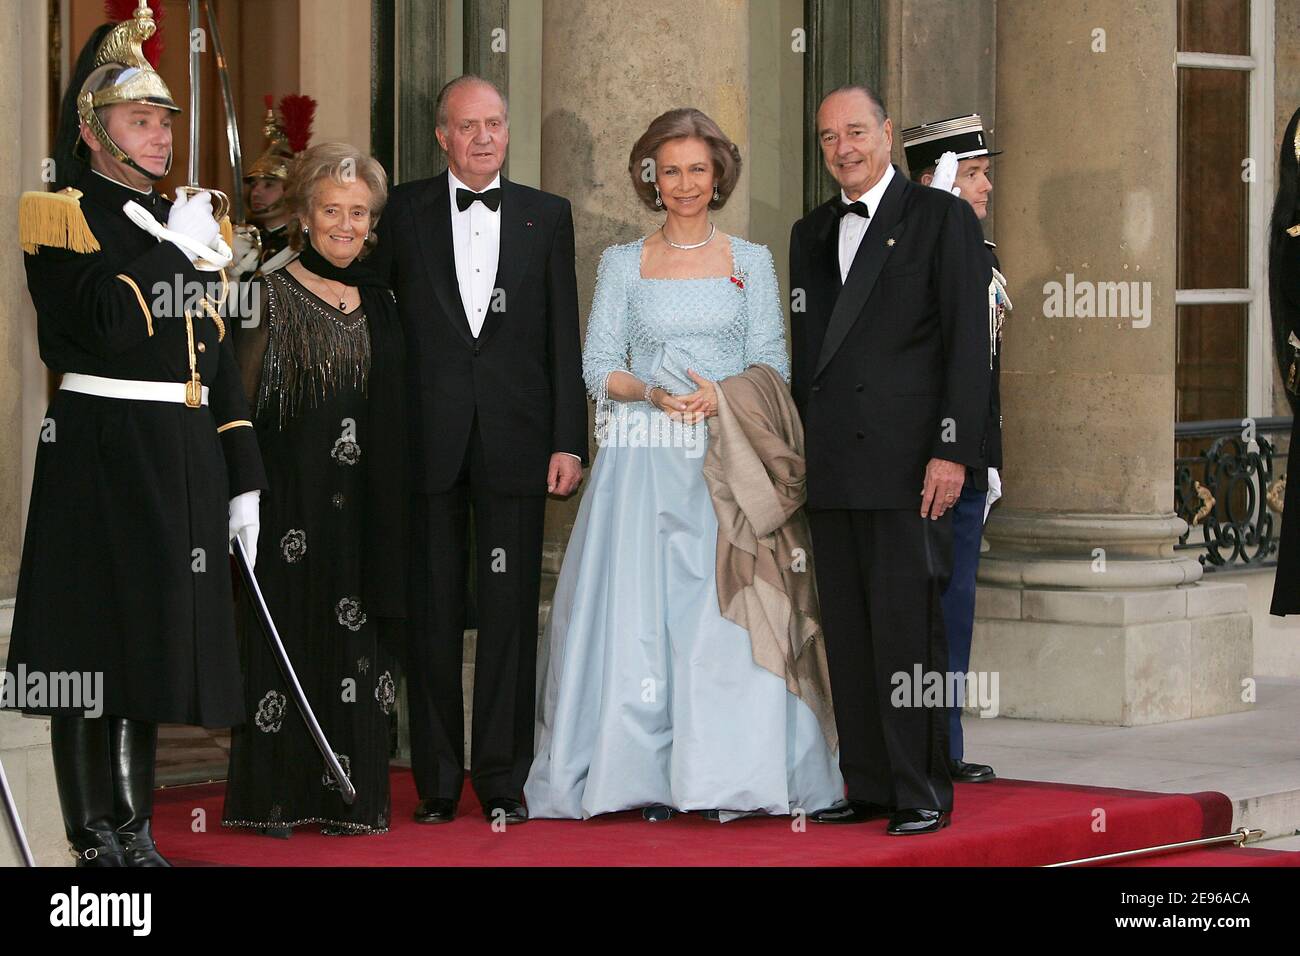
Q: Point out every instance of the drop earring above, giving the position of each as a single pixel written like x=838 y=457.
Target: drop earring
x=716 y=197
x=659 y=200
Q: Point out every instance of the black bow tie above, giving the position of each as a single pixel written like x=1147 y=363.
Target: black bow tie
x=489 y=197
x=843 y=208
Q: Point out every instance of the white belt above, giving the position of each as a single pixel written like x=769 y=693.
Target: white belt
x=127 y=388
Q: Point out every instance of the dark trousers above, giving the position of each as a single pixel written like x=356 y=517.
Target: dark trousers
x=508 y=567
x=959 y=596
x=879 y=578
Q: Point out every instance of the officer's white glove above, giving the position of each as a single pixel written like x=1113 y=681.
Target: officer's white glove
x=994 y=492
x=245 y=249
x=192 y=217
x=244 y=522
x=945 y=174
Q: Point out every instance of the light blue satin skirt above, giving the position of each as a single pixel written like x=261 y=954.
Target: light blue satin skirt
x=646 y=694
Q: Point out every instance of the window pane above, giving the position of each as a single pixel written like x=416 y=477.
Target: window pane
x=1213 y=141
x=1210 y=377
x=1214 y=26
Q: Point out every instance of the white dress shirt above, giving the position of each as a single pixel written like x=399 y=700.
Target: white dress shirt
x=476 y=238
x=853 y=227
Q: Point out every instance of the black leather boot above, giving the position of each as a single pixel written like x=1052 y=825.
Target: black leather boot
x=133 y=744
x=85 y=782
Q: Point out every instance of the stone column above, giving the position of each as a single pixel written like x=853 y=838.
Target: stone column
x=24 y=105
x=608 y=68
x=937 y=63
x=334 y=67
x=1086 y=610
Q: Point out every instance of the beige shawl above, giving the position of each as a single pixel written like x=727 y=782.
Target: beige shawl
x=755 y=471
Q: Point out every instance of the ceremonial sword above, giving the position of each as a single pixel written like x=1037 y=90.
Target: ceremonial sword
x=348 y=791
x=15 y=824
x=232 y=127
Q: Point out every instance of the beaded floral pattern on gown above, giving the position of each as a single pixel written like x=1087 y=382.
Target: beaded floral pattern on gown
x=647 y=695
x=307 y=365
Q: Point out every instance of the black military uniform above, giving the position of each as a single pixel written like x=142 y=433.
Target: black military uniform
x=124 y=568
x=1284 y=303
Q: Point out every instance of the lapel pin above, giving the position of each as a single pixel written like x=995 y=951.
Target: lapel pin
x=889 y=242
x=528 y=223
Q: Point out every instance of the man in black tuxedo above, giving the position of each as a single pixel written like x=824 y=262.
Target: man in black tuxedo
x=483 y=272
x=890 y=373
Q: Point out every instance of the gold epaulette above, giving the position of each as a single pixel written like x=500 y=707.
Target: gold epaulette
x=55 y=220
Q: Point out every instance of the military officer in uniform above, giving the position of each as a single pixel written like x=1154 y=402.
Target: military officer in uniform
x=148 y=465
x=953 y=155
x=265 y=247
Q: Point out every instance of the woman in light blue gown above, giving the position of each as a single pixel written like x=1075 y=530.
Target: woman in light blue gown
x=649 y=698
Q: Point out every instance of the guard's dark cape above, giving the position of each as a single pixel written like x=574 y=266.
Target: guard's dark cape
x=125 y=568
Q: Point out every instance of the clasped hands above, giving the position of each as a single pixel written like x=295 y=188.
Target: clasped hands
x=688 y=409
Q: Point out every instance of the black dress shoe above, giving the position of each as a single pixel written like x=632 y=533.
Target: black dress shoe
x=505 y=809
x=435 y=810
x=964 y=772
x=912 y=822
x=855 y=811
x=656 y=813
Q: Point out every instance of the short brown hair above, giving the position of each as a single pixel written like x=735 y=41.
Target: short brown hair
x=343 y=163
x=684 y=123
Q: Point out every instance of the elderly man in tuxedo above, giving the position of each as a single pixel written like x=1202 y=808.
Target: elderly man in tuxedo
x=483 y=272
x=889 y=336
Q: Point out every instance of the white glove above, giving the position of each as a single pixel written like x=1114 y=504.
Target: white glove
x=244 y=522
x=994 y=492
x=193 y=217
x=945 y=174
x=207 y=257
x=245 y=250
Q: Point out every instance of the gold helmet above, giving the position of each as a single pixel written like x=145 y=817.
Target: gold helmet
x=122 y=74
x=285 y=139
x=274 y=161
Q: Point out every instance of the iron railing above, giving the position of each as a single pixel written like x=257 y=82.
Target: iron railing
x=1227 y=491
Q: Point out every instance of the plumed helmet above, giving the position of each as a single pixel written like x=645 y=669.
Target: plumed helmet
x=121 y=73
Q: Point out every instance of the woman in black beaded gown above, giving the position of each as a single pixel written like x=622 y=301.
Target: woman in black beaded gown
x=322 y=367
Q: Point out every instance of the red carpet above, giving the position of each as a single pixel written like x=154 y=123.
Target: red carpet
x=1003 y=823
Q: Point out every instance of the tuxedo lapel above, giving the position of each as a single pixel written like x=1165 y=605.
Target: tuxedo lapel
x=518 y=235
x=433 y=227
x=826 y=250
x=877 y=244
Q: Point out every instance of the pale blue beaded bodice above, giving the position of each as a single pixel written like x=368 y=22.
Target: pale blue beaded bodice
x=723 y=325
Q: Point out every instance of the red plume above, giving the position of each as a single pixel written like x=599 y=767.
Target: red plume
x=119 y=10
x=296 y=114
x=269 y=100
